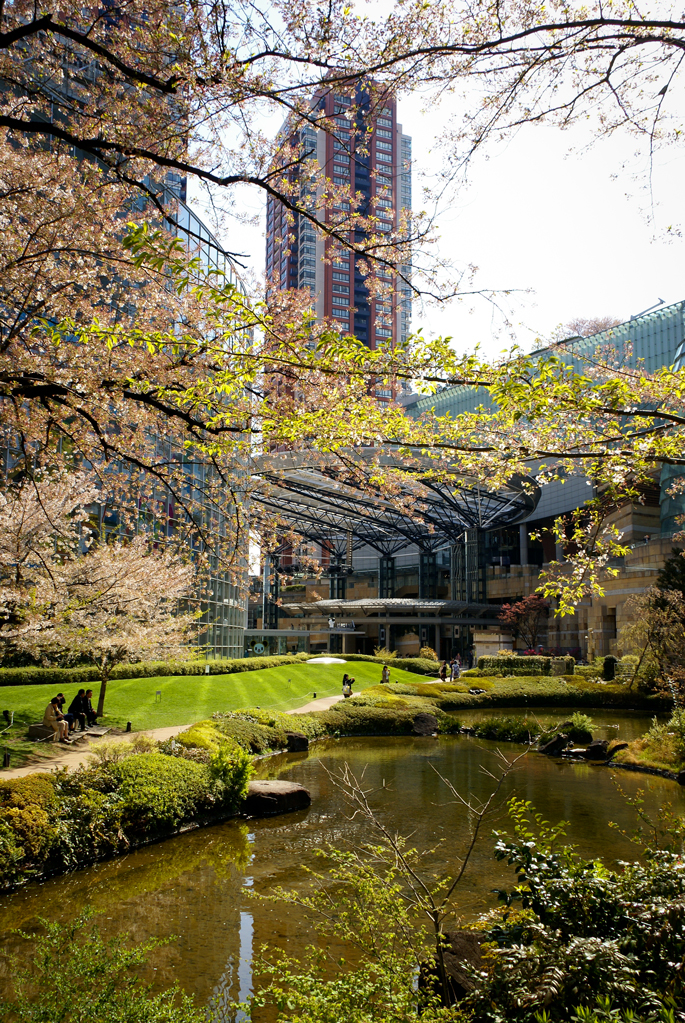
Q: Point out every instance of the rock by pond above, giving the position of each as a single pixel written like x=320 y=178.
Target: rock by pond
x=297 y=742
x=424 y=724
x=462 y=952
x=265 y=798
x=556 y=746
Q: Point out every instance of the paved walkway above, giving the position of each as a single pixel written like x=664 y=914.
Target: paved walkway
x=72 y=758
x=323 y=704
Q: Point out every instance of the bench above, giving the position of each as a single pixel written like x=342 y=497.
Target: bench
x=40 y=731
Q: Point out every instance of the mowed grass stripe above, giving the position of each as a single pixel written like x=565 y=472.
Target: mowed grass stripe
x=189 y=698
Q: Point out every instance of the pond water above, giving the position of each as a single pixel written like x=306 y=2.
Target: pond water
x=198 y=886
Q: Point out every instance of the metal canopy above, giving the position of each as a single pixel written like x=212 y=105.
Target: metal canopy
x=325 y=503
x=371 y=606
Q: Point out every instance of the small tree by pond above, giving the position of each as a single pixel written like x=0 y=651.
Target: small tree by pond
x=74 y=974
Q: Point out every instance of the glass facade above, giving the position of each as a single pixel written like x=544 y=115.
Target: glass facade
x=270 y=642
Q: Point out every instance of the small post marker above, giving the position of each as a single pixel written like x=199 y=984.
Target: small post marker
x=128 y=726
x=6 y=758
x=158 y=696
x=314 y=695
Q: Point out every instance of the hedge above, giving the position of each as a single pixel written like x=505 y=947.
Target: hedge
x=419 y=665
x=37 y=676
x=527 y=665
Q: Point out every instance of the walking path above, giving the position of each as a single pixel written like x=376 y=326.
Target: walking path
x=72 y=758
x=322 y=704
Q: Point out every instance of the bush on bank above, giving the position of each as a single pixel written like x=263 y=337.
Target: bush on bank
x=50 y=823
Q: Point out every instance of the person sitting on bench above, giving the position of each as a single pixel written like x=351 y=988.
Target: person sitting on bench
x=88 y=708
x=54 y=718
x=77 y=710
x=68 y=717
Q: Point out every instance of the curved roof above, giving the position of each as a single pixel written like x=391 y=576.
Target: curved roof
x=327 y=502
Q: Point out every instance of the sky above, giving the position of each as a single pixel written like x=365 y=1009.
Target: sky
x=568 y=230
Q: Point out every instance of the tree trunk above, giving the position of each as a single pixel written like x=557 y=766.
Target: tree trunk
x=102 y=693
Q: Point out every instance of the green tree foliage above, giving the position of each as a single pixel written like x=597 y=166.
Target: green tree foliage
x=360 y=901
x=572 y=941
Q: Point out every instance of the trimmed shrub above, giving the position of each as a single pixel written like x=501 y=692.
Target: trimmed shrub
x=533 y=665
x=159 y=791
x=419 y=665
x=230 y=771
x=249 y=733
x=38 y=676
x=28 y=808
x=352 y=719
x=514 y=665
x=89 y=825
x=308 y=724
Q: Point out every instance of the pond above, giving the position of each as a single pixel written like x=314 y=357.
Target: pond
x=198 y=886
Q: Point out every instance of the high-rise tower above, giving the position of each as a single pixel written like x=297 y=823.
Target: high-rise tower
x=368 y=150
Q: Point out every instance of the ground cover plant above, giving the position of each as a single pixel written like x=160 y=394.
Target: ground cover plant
x=661 y=747
x=532 y=691
x=509 y=728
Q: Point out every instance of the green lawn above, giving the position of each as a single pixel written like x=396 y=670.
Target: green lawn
x=185 y=699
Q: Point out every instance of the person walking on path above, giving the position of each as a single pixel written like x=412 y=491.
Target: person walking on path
x=443 y=671
x=454 y=674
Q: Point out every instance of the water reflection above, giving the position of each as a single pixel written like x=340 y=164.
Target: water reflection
x=198 y=886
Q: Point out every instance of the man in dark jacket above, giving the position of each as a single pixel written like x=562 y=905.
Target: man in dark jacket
x=91 y=716
x=77 y=709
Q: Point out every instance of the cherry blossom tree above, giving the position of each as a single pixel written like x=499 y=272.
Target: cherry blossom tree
x=66 y=599
x=119 y=350
x=119 y=602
